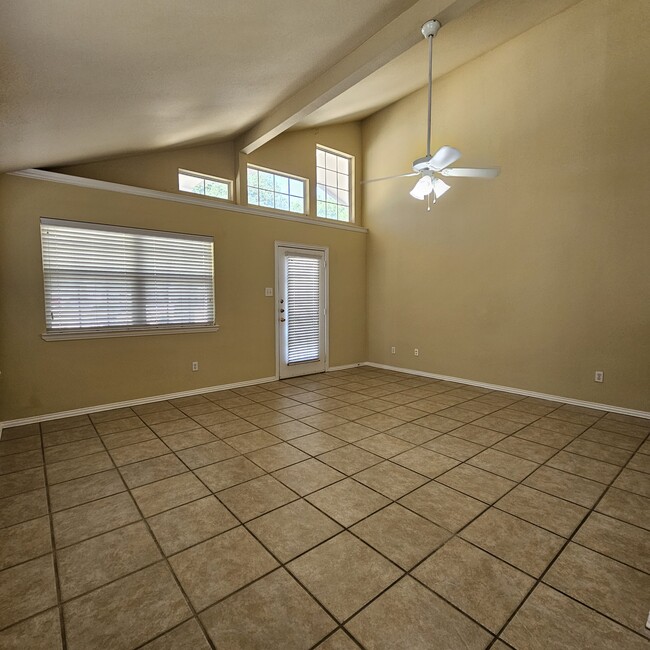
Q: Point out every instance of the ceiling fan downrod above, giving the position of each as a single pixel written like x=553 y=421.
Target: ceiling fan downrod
x=429 y=30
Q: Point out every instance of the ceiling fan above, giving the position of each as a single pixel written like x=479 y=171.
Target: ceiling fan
x=431 y=167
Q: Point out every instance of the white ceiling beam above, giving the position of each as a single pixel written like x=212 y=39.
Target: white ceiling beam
x=389 y=42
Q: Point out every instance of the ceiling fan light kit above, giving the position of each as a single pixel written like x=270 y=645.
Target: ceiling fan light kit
x=438 y=163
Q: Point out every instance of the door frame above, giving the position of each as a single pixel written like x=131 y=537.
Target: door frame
x=276 y=305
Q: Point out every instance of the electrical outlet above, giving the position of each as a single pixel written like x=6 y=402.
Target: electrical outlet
x=268 y=292
x=599 y=376
x=392 y=350
x=195 y=366
x=416 y=352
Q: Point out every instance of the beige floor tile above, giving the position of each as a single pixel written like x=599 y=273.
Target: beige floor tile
x=190 y=524
x=152 y=407
x=227 y=473
x=69 y=435
x=100 y=560
x=610 y=438
x=349 y=459
x=476 y=483
x=65 y=423
x=626 y=428
x=169 y=493
x=115 y=440
x=478 y=435
x=516 y=416
x=300 y=411
x=294 y=429
x=443 y=506
x=626 y=506
x=226 y=427
x=349 y=411
x=26 y=589
x=409 y=616
x=166 y=415
x=67 y=470
x=506 y=465
x=439 y=423
x=599 y=451
x=380 y=421
x=202 y=455
x=391 y=480
x=612 y=588
x=119 y=424
x=338 y=641
x=414 y=433
x=252 y=440
x=590 y=468
x=164 y=429
x=187 y=636
x=485 y=588
x=21 y=461
x=19 y=445
x=22 y=431
x=616 y=539
x=344 y=574
x=560 y=426
x=403 y=412
x=317 y=443
x=90 y=519
x=554 y=514
x=41 y=632
x=277 y=456
x=518 y=542
x=154 y=469
x=549 y=620
x=112 y=414
x=293 y=529
x=274 y=612
x=214 y=569
x=567 y=486
x=401 y=535
x=126 y=613
x=322 y=421
x=266 y=420
x=454 y=447
x=526 y=449
x=73 y=450
x=544 y=437
x=459 y=413
x=25 y=541
x=255 y=497
x=637 y=482
x=426 y=462
x=347 y=501
x=351 y=432
x=308 y=476
x=639 y=463
x=384 y=445
x=191 y=438
x=22 y=507
x=138 y=451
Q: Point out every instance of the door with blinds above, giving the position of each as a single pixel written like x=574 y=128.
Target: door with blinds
x=301 y=310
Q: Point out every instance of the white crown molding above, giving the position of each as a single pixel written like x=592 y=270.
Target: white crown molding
x=214 y=204
x=516 y=391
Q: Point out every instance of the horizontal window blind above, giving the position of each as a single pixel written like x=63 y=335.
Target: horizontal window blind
x=303 y=308
x=100 y=277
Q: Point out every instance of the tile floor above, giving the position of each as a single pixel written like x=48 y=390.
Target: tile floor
x=361 y=508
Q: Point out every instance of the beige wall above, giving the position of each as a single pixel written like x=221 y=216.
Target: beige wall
x=540 y=277
x=41 y=377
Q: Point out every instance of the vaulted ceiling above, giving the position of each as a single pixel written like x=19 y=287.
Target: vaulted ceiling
x=90 y=79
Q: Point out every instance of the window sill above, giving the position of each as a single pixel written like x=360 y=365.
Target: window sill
x=73 y=336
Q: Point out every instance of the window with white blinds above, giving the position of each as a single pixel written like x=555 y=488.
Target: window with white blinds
x=101 y=278
x=303 y=308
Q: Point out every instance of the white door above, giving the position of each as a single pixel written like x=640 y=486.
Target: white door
x=301 y=310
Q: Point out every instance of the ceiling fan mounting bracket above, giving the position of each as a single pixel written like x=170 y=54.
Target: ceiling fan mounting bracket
x=430 y=28
x=422 y=164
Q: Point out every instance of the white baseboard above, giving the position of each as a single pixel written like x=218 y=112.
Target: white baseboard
x=516 y=391
x=132 y=402
x=265 y=380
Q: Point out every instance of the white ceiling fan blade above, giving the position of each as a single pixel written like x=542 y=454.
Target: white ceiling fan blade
x=422 y=188
x=387 y=178
x=446 y=155
x=471 y=172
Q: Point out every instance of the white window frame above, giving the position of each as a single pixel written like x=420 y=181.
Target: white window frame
x=57 y=261
x=275 y=172
x=350 y=189
x=205 y=177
